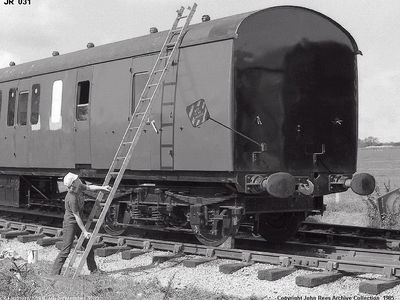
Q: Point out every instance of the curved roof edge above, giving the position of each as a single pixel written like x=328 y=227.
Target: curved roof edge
x=351 y=38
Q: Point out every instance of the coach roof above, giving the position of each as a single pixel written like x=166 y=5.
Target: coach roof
x=205 y=32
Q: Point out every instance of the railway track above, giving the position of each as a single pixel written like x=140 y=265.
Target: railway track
x=309 y=232
x=363 y=237
x=329 y=262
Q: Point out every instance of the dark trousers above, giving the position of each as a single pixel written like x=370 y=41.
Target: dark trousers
x=69 y=233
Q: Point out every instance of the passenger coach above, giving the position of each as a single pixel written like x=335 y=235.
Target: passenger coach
x=283 y=79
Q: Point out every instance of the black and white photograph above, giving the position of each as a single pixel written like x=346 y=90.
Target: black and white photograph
x=176 y=149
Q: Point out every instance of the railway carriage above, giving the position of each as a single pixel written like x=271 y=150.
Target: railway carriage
x=279 y=83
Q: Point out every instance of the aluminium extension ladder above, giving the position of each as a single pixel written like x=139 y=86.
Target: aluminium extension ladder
x=132 y=133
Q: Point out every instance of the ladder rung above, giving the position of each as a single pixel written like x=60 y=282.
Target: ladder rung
x=159 y=71
x=144 y=99
x=114 y=173
x=177 y=29
x=151 y=85
x=138 y=114
x=131 y=128
x=164 y=57
x=170 y=83
x=95 y=220
x=167 y=145
x=182 y=17
x=127 y=143
x=171 y=45
x=120 y=157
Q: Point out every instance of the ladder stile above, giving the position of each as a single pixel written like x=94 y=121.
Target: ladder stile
x=128 y=143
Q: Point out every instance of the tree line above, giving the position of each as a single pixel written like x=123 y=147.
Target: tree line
x=374 y=141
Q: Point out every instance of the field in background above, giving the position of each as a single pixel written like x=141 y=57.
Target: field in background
x=351 y=209
x=382 y=163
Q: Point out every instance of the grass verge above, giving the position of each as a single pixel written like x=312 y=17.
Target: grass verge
x=33 y=282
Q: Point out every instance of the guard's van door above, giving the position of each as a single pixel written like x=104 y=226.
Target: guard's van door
x=83 y=99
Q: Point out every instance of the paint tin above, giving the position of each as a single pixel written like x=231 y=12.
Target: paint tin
x=33 y=256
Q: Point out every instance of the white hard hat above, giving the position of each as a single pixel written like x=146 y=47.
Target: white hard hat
x=69 y=179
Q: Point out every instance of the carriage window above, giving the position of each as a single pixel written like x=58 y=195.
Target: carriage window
x=139 y=81
x=1 y=102
x=35 y=104
x=56 y=102
x=82 y=100
x=22 y=108
x=11 y=107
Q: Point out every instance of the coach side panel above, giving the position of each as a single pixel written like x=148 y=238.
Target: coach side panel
x=51 y=144
x=205 y=72
x=36 y=122
x=117 y=89
x=109 y=110
x=202 y=72
x=7 y=118
x=171 y=143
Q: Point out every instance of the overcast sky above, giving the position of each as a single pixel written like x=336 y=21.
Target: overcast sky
x=33 y=31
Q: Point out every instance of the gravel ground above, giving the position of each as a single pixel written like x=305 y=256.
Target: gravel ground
x=206 y=277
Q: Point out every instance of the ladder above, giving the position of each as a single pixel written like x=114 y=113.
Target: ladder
x=130 y=139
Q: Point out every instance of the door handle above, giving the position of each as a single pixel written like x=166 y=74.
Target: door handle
x=153 y=124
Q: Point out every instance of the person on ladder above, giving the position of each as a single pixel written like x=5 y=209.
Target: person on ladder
x=73 y=224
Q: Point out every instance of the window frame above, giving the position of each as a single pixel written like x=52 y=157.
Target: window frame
x=81 y=106
x=35 y=96
x=55 y=120
x=135 y=86
x=14 y=91
x=23 y=93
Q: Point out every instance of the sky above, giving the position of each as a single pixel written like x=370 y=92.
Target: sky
x=30 y=32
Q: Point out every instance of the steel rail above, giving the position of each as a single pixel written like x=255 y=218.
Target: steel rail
x=351 y=228
x=332 y=233
x=347 y=263
x=321 y=234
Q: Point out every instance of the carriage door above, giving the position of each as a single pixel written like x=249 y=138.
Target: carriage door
x=21 y=122
x=82 y=117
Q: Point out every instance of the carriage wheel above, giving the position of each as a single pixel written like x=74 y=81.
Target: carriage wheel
x=217 y=229
x=110 y=225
